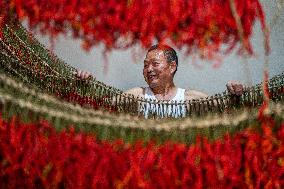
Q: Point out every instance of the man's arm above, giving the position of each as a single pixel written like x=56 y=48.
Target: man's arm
x=236 y=89
x=136 y=91
x=192 y=94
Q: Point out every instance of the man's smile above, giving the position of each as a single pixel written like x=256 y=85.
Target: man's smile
x=152 y=77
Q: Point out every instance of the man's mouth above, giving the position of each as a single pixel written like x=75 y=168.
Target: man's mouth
x=151 y=77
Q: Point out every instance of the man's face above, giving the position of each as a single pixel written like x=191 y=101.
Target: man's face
x=157 y=71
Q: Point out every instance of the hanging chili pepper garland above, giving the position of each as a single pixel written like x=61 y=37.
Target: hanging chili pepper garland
x=34 y=155
x=202 y=26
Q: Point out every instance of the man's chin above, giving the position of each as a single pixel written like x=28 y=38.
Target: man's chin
x=152 y=84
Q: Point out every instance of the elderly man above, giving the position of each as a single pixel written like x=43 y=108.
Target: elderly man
x=160 y=66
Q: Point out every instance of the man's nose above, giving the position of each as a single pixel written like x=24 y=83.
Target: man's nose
x=150 y=68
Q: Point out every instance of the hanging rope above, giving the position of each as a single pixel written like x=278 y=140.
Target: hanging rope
x=31 y=104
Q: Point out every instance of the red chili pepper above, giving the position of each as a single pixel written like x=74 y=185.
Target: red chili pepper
x=35 y=155
x=191 y=24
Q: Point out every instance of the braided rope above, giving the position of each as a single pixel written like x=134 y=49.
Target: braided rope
x=16 y=97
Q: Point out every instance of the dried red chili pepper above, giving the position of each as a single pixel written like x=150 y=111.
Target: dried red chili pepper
x=202 y=26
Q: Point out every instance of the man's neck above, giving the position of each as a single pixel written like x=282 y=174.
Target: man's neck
x=165 y=92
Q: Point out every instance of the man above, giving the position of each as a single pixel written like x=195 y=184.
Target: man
x=160 y=66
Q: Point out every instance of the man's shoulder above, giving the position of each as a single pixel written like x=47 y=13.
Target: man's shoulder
x=193 y=94
x=136 y=91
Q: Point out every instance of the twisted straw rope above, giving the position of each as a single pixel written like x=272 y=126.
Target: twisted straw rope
x=105 y=119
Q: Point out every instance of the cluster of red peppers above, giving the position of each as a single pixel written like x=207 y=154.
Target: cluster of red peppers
x=36 y=156
x=202 y=26
x=88 y=101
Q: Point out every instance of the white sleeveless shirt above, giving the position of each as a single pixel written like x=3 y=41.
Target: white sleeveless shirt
x=172 y=108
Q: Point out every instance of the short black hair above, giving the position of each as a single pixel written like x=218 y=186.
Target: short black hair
x=169 y=52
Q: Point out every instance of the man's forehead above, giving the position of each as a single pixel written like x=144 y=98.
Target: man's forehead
x=156 y=54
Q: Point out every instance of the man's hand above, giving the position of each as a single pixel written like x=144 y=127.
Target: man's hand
x=84 y=75
x=235 y=88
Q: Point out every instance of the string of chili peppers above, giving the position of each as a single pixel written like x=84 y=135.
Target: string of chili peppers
x=201 y=26
x=34 y=155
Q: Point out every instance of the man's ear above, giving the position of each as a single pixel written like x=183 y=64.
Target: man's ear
x=173 y=67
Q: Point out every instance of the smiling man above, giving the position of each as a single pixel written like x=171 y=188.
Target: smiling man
x=160 y=66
